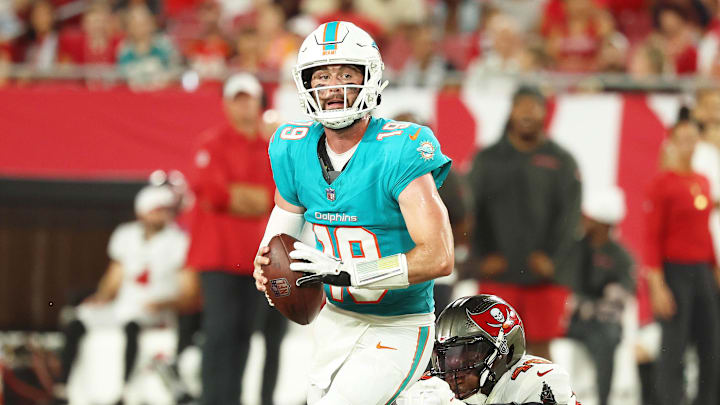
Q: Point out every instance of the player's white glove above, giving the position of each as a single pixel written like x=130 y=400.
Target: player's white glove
x=431 y=391
x=325 y=268
x=390 y=272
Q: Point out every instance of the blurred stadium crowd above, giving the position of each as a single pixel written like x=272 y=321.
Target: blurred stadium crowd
x=421 y=40
x=153 y=44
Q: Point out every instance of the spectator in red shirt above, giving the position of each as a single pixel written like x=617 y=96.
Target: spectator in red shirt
x=233 y=189
x=39 y=46
x=674 y=35
x=96 y=43
x=208 y=51
x=679 y=256
x=575 y=30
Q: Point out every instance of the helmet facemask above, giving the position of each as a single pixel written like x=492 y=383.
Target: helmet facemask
x=367 y=98
x=467 y=365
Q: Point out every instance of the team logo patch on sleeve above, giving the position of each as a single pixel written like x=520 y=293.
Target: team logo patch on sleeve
x=427 y=150
x=547 y=397
x=280 y=287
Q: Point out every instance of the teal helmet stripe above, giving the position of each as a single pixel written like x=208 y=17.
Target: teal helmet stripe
x=330 y=35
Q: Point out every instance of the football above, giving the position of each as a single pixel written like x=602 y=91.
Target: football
x=300 y=305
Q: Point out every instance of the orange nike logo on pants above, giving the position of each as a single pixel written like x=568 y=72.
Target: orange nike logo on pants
x=379 y=346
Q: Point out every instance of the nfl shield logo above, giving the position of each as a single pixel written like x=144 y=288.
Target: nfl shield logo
x=280 y=287
x=330 y=193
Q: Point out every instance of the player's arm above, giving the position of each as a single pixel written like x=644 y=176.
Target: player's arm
x=109 y=284
x=429 y=227
x=285 y=218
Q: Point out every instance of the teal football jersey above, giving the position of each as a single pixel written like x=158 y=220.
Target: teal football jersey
x=358 y=215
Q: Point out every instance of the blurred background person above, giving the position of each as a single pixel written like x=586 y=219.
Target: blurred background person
x=506 y=52
x=647 y=64
x=96 y=42
x=707 y=114
x=575 y=30
x=39 y=46
x=11 y=27
x=603 y=281
x=145 y=56
x=426 y=66
x=709 y=49
x=247 y=56
x=208 y=50
x=141 y=286
x=526 y=196
x=509 y=52
x=675 y=36
x=275 y=42
x=233 y=188
x=680 y=260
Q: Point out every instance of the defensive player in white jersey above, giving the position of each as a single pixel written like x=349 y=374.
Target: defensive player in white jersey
x=368 y=186
x=480 y=358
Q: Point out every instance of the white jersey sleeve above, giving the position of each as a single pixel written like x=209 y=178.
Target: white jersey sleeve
x=533 y=380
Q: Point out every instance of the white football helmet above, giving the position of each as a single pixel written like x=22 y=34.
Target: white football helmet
x=339 y=43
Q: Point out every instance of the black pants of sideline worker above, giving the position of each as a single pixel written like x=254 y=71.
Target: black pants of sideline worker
x=696 y=320
x=232 y=310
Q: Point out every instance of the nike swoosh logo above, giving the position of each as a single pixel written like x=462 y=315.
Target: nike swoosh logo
x=415 y=135
x=542 y=374
x=379 y=346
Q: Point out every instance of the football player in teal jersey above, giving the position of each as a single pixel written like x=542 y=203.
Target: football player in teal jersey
x=368 y=187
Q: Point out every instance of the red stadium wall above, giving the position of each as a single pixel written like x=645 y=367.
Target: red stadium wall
x=61 y=132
